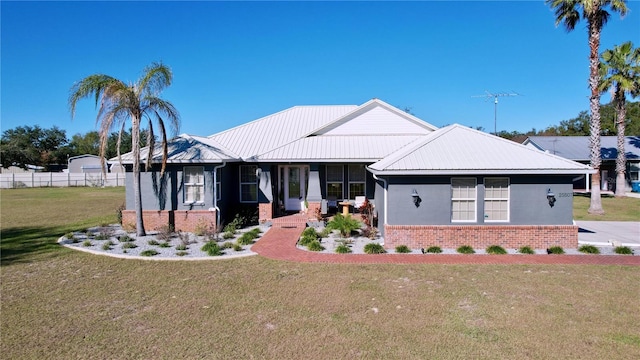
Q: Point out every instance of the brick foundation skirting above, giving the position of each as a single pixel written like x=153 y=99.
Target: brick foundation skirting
x=479 y=237
x=182 y=220
x=190 y=220
x=265 y=212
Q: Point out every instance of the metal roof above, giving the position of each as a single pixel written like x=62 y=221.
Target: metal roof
x=457 y=149
x=338 y=148
x=577 y=147
x=273 y=131
x=187 y=149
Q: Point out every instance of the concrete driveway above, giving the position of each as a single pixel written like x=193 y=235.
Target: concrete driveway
x=624 y=233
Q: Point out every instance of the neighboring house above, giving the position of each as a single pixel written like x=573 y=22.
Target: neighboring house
x=429 y=186
x=19 y=170
x=576 y=148
x=84 y=164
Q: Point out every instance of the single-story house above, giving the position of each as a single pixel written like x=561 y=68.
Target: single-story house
x=429 y=186
x=86 y=163
x=576 y=148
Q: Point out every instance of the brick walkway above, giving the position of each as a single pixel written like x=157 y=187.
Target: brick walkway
x=279 y=243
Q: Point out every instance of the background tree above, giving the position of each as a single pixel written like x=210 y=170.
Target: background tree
x=26 y=145
x=620 y=71
x=594 y=12
x=88 y=143
x=136 y=102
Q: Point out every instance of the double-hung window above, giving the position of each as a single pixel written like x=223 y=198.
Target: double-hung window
x=335 y=178
x=248 y=183
x=463 y=200
x=496 y=199
x=193 y=184
x=357 y=181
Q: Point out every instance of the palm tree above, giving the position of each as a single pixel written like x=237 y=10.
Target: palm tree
x=620 y=71
x=139 y=101
x=596 y=15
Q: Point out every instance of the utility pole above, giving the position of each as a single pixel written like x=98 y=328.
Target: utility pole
x=495 y=96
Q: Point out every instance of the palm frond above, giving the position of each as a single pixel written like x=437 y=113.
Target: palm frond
x=155 y=78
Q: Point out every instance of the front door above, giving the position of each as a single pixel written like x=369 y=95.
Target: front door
x=294 y=187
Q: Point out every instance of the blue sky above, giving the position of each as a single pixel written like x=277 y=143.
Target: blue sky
x=234 y=62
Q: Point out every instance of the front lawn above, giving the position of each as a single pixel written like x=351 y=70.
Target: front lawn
x=616 y=209
x=58 y=303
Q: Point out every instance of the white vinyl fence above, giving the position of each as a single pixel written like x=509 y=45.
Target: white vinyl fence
x=22 y=180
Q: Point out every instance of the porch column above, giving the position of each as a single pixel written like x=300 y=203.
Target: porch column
x=265 y=193
x=314 y=192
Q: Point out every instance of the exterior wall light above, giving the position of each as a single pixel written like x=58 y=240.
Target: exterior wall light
x=551 y=197
x=416 y=197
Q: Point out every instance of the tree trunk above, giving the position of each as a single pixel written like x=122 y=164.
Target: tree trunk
x=135 y=149
x=594 y=125
x=621 y=159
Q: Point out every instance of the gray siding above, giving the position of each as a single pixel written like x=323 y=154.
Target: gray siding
x=167 y=192
x=528 y=204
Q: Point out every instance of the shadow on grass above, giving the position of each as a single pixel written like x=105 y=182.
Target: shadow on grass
x=19 y=245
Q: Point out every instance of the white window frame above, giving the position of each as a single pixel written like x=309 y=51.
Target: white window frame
x=465 y=199
x=507 y=200
x=341 y=182
x=186 y=184
x=218 y=184
x=243 y=183
x=363 y=182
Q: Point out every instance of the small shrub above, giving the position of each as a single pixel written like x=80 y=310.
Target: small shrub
x=246 y=239
x=315 y=246
x=184 y=238
x=345 y=224
x=182 y=246
x=496 y=250
x=306 y=240
x=465 y=249
x=87 y=243
x=181 y=253
x=69 y=236
x=623 y=250
x=526 y=250
x=402 y=249
x=370 y=232
x=129 y=245
x=153 y=242
x=310 y=232
x=149 y=252
x=228 y=235
x=125 y=238
x=237 y=247
x=324 y=233
x=434 y=250
x=343 y=249
x=165 y=245
x=165 y=233
x=107 y=245
x=555 y=250
x=227 y=245
x=212 y=249
x=374 y=248
x=589 y=249
x=102 y=236
x=201 y=228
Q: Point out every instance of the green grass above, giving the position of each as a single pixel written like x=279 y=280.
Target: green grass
x=615 y=209
x=59 y=303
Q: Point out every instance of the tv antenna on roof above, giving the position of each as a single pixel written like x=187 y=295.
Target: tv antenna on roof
x=495 y=96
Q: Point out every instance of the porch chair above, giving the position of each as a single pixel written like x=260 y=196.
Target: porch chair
x=332 y=202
